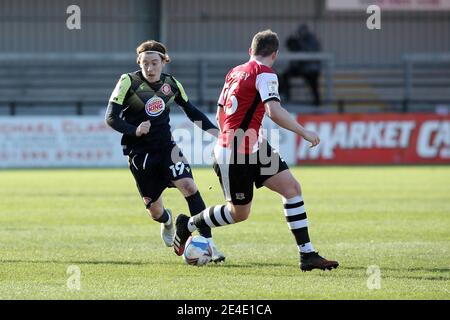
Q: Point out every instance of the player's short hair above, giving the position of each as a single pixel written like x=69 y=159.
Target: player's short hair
x=152 y=46
x=265 y=43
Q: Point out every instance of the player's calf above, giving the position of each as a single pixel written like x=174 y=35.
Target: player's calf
x=196 y=206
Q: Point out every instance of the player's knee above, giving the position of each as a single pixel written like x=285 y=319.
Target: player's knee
x=292 y=189
x=188 y=188
x=240 y=214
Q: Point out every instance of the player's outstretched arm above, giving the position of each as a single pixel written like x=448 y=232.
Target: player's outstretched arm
x=198 y=117
x=195 y=115
x=281 y=117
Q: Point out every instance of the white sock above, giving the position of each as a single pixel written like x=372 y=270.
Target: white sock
x=191 y=225
x=306 y=247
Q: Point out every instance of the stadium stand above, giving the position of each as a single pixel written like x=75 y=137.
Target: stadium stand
x=63 y=85
x=57 y=85
x=369 y=74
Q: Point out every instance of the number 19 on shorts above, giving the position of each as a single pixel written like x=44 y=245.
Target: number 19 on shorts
x=177 y=169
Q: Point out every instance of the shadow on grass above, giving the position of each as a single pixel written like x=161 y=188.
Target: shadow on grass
x=402 y=272
x=441 y=270
x=361 y=269
x=138 y=263
x=84 y=262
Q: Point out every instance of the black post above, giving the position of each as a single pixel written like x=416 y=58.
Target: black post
x=405 y=105
x=79 y=108
x=202 y=82
x=341 y=106
x=12 y=108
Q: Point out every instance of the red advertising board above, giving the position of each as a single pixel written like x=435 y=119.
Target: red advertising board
x=376 y=139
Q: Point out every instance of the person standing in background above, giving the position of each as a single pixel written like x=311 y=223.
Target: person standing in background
x=303 y=40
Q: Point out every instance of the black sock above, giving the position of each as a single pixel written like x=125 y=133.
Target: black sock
x=196 y=206
x=164 y=217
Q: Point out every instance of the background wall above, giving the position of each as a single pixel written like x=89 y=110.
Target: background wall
x=106 y=25
x=202 y=25
x=217 y=26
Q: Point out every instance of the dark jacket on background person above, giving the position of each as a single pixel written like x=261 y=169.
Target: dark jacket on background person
x=304 y=41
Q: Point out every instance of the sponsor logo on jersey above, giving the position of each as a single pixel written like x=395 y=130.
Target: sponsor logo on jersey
x=155 y=106
x=272 y=86
x=240 y=196
x=165 y=88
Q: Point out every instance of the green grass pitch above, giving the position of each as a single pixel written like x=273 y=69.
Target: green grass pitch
x=395 y=218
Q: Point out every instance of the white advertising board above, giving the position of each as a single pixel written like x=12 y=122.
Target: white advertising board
x=33 y=142
x=86 y=141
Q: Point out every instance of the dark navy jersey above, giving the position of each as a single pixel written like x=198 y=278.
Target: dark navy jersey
x=135 y=100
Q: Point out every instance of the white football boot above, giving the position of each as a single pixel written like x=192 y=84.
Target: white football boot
x=217 y=256
x=168 y=232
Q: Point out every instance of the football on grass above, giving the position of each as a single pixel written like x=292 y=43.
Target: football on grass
x=197 y=251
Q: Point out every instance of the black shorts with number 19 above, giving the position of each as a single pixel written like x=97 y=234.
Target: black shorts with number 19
x=154 y=172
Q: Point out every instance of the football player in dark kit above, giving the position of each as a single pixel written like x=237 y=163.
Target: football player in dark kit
x=139 y=108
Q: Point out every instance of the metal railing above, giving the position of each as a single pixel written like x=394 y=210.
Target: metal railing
x=205 y=59
x=77 y=104
x=203 y=64
x=409 y=61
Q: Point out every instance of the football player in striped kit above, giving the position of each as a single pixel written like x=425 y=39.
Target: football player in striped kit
x=139 y=108
x=244 y=158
